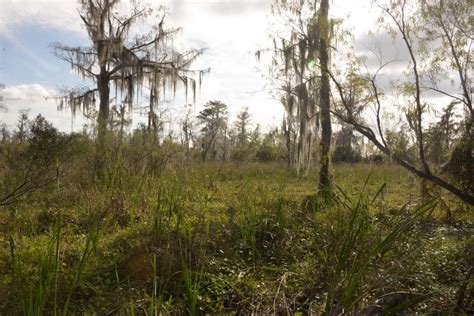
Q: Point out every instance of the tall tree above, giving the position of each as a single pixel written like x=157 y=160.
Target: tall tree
x=242 y=126
x=3 y=107
x=345 y=146
x=326 y=131
x=296 y=74
x=187 y=128
x=22 y=125
x=214 y=121
x=117 y=59
x=442 y=134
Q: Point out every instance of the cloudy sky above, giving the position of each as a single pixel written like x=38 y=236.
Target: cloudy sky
x=231 y=30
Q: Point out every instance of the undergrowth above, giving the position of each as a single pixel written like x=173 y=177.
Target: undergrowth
x=224 y=238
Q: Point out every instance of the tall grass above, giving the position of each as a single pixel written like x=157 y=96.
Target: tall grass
x=34 y=298
x=225 y=240
x=157 y=294
x=191 y=279
x=358 y=249
x=90 y=246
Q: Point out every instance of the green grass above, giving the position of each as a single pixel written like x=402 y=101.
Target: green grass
x=232 y=238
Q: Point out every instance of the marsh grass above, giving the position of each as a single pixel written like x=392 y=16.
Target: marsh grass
x=356 y=251
x=34 y=297
x=39 y=293
x=223 y=238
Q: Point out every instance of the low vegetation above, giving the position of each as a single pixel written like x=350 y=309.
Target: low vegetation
x=160 y=235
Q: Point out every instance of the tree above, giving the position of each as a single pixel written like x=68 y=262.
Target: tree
x=120 y=120
x=269 y=148
x=3 y=107
x=240 y=138
x=187 y=127
x=242 y=126
x=37 y=162
x=344 y=148
x=305 y=82
x=451 y=23
x=418 y=23
x=4 y=133
x=125 y=62
x=214 y=121
x=442 y=135
x=326 y=131
x=293 y=72
x=22 y=125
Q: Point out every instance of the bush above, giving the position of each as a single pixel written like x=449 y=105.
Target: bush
x=346 y=154
x=268 y=152
x=35 y=163
x=243 y=153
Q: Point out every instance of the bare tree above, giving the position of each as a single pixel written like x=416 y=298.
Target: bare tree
x=22 y=125
x=424 y=62
x=124 y=57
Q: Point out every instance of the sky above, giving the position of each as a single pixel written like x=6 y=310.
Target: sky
x=230 y=30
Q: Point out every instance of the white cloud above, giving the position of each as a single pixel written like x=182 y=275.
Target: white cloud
x=57 y=14
x=31 y=97
x=32 y=92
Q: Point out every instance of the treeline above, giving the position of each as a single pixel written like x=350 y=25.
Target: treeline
x=212 y=136
x=208 y=136
x=35 y=154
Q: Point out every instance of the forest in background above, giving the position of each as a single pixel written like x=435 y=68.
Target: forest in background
x=359 y=202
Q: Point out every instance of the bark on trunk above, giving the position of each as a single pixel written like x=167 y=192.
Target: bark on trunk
x=326 y=132
x=104 y=91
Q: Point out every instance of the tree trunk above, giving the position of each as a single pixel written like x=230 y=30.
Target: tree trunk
x=287 y=134
x=204 y=152
x=424 y=194
x=325 y=144
x=104 y=92
x=224 y=154
x=151 y=112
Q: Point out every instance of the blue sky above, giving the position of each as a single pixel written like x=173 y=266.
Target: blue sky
x=27 y=59
x=31 y=72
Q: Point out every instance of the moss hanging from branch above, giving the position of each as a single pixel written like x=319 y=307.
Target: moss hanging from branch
x=147 y=59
